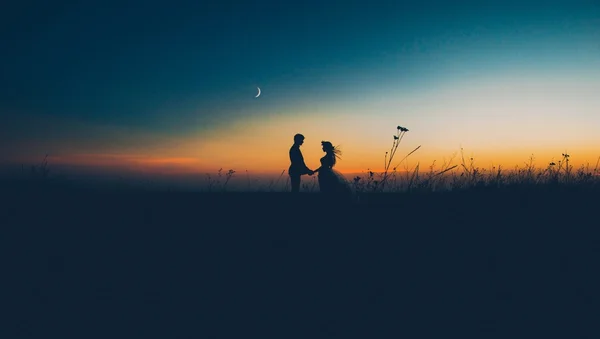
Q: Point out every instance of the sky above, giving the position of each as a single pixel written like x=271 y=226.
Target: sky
x=169 y=87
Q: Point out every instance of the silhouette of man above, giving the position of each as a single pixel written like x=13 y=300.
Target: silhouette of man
x=298 y=167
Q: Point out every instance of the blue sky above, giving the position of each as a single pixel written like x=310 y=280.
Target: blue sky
x=189 y=68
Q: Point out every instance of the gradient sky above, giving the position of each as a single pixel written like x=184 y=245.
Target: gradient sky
x=170 y=86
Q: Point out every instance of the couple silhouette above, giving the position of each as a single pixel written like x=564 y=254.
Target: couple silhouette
x=330 y=180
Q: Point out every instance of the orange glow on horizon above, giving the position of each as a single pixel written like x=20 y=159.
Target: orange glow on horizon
x=153 y=164
x=191 y=165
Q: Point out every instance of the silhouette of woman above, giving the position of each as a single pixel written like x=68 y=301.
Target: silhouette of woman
x=330 y=180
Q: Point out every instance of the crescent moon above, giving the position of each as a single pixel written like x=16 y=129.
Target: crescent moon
x=258 y=92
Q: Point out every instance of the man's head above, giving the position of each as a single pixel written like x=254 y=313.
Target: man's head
x=298 y=139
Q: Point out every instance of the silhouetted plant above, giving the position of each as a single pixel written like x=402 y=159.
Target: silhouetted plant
x=228 y=177
x=367 y=184
x=40 y=172
x=220 y=181
x=469 y=176
x=274 y=183
x=389 y=157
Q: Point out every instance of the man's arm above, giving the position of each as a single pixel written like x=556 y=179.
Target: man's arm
x=297 y=159
x=306 y=169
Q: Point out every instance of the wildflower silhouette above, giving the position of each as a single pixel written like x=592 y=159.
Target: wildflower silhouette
x=400 y=132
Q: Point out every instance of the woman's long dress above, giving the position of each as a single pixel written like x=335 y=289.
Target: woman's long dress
x=332 y=181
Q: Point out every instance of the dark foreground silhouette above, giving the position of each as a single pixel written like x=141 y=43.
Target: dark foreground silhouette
x=331 y=182
x=297 y=166
x=485 y=264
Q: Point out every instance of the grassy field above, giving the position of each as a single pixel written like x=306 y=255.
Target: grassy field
x=487 y=262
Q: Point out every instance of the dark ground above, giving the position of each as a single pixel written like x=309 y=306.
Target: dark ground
x=517 y=263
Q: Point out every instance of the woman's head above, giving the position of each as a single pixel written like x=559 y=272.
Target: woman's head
x=330 y=150
x=327 y=147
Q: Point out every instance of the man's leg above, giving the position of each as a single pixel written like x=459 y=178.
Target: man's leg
x=295 y=181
